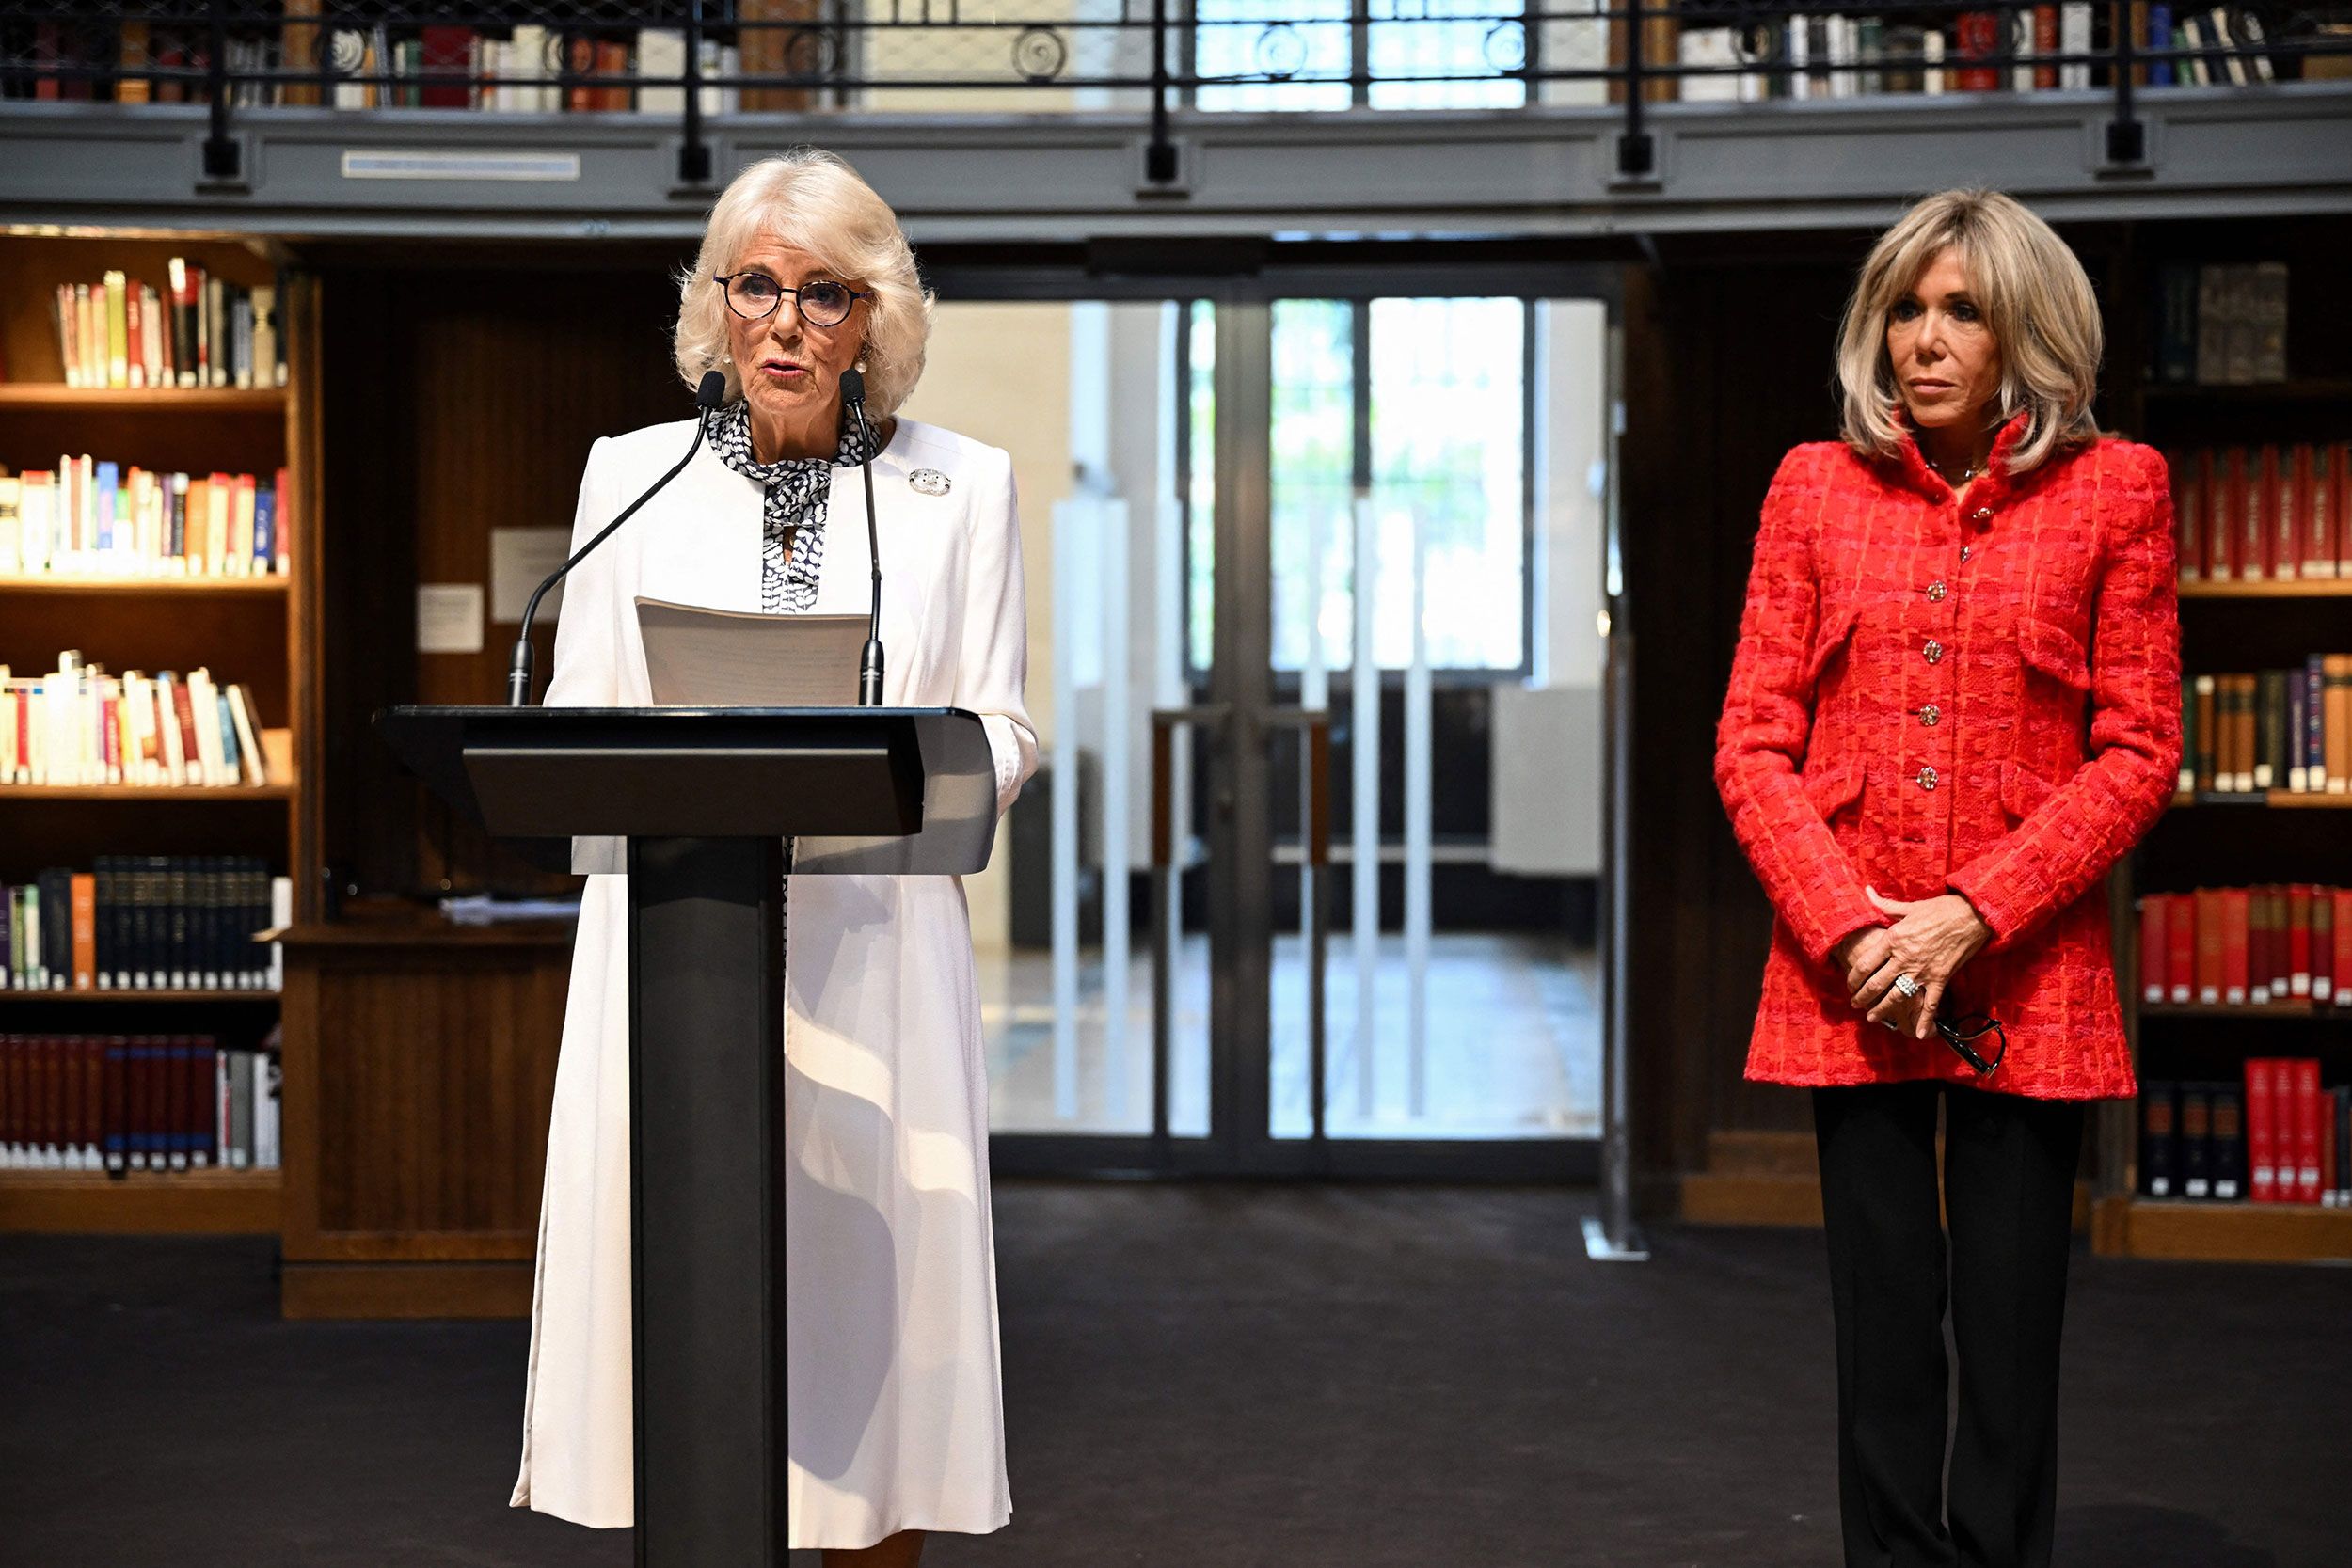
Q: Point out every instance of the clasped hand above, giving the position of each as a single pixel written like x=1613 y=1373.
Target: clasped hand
x=1930 y=941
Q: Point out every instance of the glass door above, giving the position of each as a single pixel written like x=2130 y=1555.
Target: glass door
x=1256 y=914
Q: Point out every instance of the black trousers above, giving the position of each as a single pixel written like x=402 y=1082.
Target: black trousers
x=2008 y=1194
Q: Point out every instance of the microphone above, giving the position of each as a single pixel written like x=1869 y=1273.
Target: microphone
x=707 y=396
x=869 y=664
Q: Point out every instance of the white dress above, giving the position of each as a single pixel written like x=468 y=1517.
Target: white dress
x=896 y=1410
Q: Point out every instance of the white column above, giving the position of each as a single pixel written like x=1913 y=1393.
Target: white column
x=1064 y=755
x=1417 y=763
x=1364 y=747
x=1117 y=852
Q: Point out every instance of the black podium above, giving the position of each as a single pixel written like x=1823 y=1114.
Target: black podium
x=706 y=799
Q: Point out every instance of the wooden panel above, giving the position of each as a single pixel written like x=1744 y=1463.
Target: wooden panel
x=187 y=1202
x=406 y=1290
x=420 y=1068
x=2227 y=1232
x=464 y=399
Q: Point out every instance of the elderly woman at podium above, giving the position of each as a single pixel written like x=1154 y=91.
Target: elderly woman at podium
x=896 y=1422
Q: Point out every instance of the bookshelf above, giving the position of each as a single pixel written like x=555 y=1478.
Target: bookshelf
x=260 y=631
x=2234 y=838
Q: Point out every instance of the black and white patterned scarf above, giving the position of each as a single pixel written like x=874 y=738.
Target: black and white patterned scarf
x=797 y=490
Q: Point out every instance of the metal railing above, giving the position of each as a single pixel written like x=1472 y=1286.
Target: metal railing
x=700 y=60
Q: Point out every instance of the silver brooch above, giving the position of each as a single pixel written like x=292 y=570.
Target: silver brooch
x=930 y=481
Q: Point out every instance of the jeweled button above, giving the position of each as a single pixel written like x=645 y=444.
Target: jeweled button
x=1927 y=777
x=1936 y=591
x=1965 y=552
x=1933 y=651
x=1983 y=514
x=1930 y=714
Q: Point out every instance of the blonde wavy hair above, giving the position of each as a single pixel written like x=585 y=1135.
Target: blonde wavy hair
x=2034 y=296
x=812 y=200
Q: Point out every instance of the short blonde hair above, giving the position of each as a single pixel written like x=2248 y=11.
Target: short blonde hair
x=2034 y=296
x=812 y=200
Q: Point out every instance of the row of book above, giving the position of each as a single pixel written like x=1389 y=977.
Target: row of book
x=200 y=330
x=139 y=923
x=2221 y=323
x=525 y=69
x=2235 y=946
x=79 y=725
x=2014 y=49
x=126 y=1103
x=87 y=518
x=2278 y=1136
x=2269 y=729
x=2262 y=513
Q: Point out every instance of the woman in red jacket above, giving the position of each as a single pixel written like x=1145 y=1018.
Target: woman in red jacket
x=1955 y=705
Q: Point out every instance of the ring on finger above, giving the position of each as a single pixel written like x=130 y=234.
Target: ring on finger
x=1909 y=987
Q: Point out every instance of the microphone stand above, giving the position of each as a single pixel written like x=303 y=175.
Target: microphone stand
x=869 y=669
x=518 y=670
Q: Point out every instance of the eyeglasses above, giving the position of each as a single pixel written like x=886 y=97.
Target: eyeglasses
x=754 y=295
x=1962 y=1034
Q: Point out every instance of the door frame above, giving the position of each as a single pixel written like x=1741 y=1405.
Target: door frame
x=1242 y=283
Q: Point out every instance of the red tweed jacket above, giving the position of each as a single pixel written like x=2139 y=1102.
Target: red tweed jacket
x=1932 y=695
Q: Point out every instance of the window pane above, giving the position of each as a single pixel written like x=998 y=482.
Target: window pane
x=1201 y=488
x=1458 y=44
x=1308 y=44
x=1314 y=478
x=1448 y=438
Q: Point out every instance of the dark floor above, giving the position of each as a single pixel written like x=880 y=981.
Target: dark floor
x=1203 y=1375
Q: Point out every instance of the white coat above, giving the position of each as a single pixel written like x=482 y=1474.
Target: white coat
x=896 y=1419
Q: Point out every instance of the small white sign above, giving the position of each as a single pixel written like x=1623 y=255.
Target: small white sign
x=449 y=618
x=520 y=560
x=390 y=163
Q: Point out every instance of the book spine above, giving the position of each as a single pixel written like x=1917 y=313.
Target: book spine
x=2226 y=1123
x=2305 y=1076
x=2158 y=1177
x=113 y=1128
x=2234 y=913
x=2260 y=1131
x=2323 y=946
x=2195 y=1140
x=2298 y=965
x=2153 y=947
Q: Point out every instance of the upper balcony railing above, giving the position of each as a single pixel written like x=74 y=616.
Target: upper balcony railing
x=694 y=60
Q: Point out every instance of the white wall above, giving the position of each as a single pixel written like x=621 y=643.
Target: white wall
x=1545 y=785
x=998 y=374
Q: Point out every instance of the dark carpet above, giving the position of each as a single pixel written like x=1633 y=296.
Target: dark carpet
x=1203 y=1375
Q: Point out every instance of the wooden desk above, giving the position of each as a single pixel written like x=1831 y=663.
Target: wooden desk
x=420 y=1065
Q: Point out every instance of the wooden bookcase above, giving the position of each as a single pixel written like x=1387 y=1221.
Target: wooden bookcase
x=2214 y=840
x=262 y=631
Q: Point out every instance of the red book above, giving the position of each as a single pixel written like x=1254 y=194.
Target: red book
x=446 y=68
x=68 y=1052
x=93 y=1098
x=113 y=1126
x=2235 y=908
x=171 y=1059
x=2224 y=499
x=2258 y=937
x=2341 y=969
x=580 y=53
x=2045 y=42
x=2299 y=941
x=2286 y=533
x=281 y=529
x=1979 y=38
x=2156 y=947
x=2262 y=1130
x=2329 y=1178
x=2188 y=512
x=110 y=737
x=11 y=1093
x=2323 y=946
x=53 y=1126
x=612 y=65
x=202 y=1106
x=134 y=317
x=2307 y=1118
x=2253 y=553
x=183 y=710
x=2315 y=509
x=2340 y=503
x=2211 y=960
x=2180 y=968
x=139 y=1086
